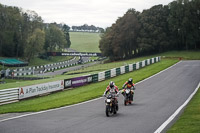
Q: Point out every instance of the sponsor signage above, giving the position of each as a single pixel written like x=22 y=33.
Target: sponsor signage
x=73 y=54
x=34 y=90
x=79 y=81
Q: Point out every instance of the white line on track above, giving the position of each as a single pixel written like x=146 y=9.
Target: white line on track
x=82 y=102
x=162 y=127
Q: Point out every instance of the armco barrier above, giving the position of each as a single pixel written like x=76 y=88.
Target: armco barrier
x=8 y=95
x=15 y=94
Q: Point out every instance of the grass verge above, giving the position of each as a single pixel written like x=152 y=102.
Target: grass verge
x=83 y=93
x=189 y=121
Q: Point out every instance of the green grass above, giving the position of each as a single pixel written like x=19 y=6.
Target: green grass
x=189 y=121
x=186 y=55
x=84 y=41
x=38 y=61
x=83 y=93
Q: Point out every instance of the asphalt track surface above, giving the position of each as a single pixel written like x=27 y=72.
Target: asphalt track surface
x=155 y=101
x=65 y=70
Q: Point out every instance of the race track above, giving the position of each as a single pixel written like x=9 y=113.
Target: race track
x=155 y=101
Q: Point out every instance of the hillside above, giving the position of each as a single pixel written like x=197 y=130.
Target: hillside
x=84 y=41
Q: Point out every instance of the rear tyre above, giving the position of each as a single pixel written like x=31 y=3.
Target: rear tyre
x=125 y=102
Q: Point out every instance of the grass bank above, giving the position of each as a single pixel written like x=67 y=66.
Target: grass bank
x=189 y=121
x=84 y=41
x=185 y=55
x=83 y=93
x=38 y=61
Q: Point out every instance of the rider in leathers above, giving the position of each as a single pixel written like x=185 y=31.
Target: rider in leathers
x=112 y=89
x=129 y=84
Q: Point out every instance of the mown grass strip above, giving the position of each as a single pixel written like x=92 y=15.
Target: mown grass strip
x=84 y=41
x=189 y=121
x=83 y=93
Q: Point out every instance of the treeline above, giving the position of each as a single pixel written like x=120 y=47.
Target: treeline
x=175 y=26
x=23 y=34
x=87 y=28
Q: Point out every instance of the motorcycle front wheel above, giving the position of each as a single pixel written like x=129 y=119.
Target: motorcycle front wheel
x=107 y=110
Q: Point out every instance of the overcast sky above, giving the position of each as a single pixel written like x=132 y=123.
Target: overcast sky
x=100 y=13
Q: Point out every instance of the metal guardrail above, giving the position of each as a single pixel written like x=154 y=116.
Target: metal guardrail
x=9 y=95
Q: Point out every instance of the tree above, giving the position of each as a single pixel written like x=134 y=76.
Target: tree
x=54 y=39
x=153 y=36
x=65 y=29
x=35 y=44
x=120 y=41
x=184 y=23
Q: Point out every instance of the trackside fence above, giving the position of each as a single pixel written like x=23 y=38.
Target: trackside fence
x=16 y=94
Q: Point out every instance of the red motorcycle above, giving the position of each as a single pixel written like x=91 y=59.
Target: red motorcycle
x=128 y=96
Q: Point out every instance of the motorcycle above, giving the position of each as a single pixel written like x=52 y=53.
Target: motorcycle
x=111 y=104
x=128 y=96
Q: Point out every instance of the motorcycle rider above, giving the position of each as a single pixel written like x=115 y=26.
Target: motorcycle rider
x=128 y=84
x=112 y=89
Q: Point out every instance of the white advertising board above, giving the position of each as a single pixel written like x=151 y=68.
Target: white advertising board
x=34 y=90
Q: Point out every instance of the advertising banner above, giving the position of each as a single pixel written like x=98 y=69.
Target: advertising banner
x=34 y=90
x=87 y=54
x=79 y=81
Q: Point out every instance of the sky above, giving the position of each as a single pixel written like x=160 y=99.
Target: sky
x=101 y=13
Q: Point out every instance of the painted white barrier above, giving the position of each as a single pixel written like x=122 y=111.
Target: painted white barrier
x=152 y=60
x=130 y=67
x=101 y=76
x=122 y=69
x=137 y=65
x=113 y=72
x=143 y=63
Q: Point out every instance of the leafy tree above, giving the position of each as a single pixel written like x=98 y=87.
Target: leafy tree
x=154 y=32
x=54 y=39
x=66 y=29
x=35 y=44
x=119 y=41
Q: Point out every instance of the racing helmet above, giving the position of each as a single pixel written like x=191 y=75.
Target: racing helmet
x=111 y=84
x=130 y=80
